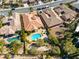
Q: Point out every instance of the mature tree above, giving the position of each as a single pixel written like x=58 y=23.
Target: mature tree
x=67 y=35
x=2 y=43
x=24 y=40
x=31 y=9
x=24 y=36
x=20 y=3
x=1 y=24
x=55 y=50
x=69 y=47
x=15 y=46
x=33 y=51
x=72 y=26
x=48 y=57
x=75 y=55
x=40 y=42
x=53 y=40
x=8 y=56
x=69 y=5
x=10 y=13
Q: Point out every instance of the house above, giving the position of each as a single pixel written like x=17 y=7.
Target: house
x=50 y=18
x=11 y=24
x=31 y=21
x=65 y=13
x=52 y=22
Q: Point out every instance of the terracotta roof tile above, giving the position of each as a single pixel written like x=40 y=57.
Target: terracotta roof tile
x=31 y=21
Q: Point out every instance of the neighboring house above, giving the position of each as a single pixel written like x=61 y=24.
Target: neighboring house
x=11 y=25
x=50 y=18
x=52 y=22
x=17 y=22
x=65 y=13
x=31 y=21
x=7 y=30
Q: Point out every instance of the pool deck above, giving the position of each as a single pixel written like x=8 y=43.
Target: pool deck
x=40 y=31
x=6 y=39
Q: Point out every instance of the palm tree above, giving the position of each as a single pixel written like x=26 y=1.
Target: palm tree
x=24 y=39
x=23 y=35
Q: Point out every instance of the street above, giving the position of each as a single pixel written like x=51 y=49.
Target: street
x=26 y=9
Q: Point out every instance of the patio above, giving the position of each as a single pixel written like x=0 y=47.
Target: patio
x=40 y=31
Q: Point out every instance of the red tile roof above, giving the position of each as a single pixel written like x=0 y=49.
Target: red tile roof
x=31 y=21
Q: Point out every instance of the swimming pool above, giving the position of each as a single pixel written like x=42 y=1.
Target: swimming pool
x=36 y=36
x=13 y=39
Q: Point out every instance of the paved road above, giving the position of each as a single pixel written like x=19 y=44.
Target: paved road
x=26 y=9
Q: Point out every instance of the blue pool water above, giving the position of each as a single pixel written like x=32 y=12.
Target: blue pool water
x=36 y=36
x=13 y=39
